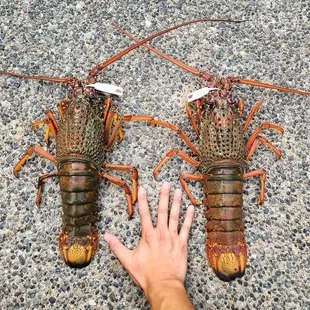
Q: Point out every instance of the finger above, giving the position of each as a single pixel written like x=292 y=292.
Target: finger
x=163 y=205
x=144 y=211
x=184 y=233
x=120 y=251
x=175 y=211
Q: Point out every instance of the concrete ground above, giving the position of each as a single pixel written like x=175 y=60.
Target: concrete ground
x=60 y=38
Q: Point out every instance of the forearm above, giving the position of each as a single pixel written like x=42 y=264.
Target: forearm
x=170 y=294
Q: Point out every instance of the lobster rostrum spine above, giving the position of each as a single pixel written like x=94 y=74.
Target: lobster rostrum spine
x=88 y=129
x=217 y=121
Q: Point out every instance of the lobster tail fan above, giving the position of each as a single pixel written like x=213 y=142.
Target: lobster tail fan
x=227 y=261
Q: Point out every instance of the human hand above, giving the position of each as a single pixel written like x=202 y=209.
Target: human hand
x=160 y=259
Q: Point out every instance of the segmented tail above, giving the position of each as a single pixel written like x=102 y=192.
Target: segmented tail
x=225 y=245
x=78 y=241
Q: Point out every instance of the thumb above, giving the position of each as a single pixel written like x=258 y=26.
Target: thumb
x=120 y=251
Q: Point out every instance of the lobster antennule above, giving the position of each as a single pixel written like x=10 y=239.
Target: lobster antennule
x=266 y=85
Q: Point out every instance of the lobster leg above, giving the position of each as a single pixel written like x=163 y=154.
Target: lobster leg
x=199 y=109
x=120 y=132
x=37 y=149
x=48 y=128
x=106 y=108
x=192 y=118
x=40 y=183
x=251 y=114
x=169 y=155
x=124 y=186
x=106 y=112
x=109 y=139
x=194 y=177
x=152 y=121
x=117 y=131
x=262 y=174
x=133 y=170
x=60 y=107
x=258 y=130
x=51 y=123
x=241 y=106
x=108 y=125
x=264 y=141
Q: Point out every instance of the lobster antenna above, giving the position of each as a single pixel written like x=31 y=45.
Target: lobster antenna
x=66 y=80
x=94 y=72
x=69 y=80
x=206 y=75
x=266 y=85
x=151 y=37
x=159 y=53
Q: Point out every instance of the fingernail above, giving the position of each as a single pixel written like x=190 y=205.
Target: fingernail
x=107 y=237
x=166 y=186
x=191 y=208
x=141 y=190
x=178 y=192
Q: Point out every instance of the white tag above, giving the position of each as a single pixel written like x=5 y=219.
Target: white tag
x=199 y=93
x=107 y=88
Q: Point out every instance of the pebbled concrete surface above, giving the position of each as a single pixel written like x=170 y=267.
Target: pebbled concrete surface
x=60 y=38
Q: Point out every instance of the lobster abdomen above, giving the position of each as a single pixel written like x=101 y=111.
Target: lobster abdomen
x=225 y=245
x=78 y=241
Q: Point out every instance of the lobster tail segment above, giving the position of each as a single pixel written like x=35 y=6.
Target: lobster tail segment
x=225 y=246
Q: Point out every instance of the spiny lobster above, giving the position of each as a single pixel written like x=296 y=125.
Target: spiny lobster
x=88 y=129
x=222 y=156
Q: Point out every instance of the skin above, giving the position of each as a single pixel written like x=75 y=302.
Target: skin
x=159 y=263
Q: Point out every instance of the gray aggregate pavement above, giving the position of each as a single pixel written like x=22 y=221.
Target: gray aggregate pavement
x=61 y=38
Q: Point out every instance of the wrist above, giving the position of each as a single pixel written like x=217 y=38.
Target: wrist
x=163 y=286
x=168 y=293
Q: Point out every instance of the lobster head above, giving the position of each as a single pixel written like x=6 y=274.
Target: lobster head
x=78 y=251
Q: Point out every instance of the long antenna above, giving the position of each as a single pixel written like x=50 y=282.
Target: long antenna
x=208 y=76
x=66 y=80
x=141 y=42
x=161 y=54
